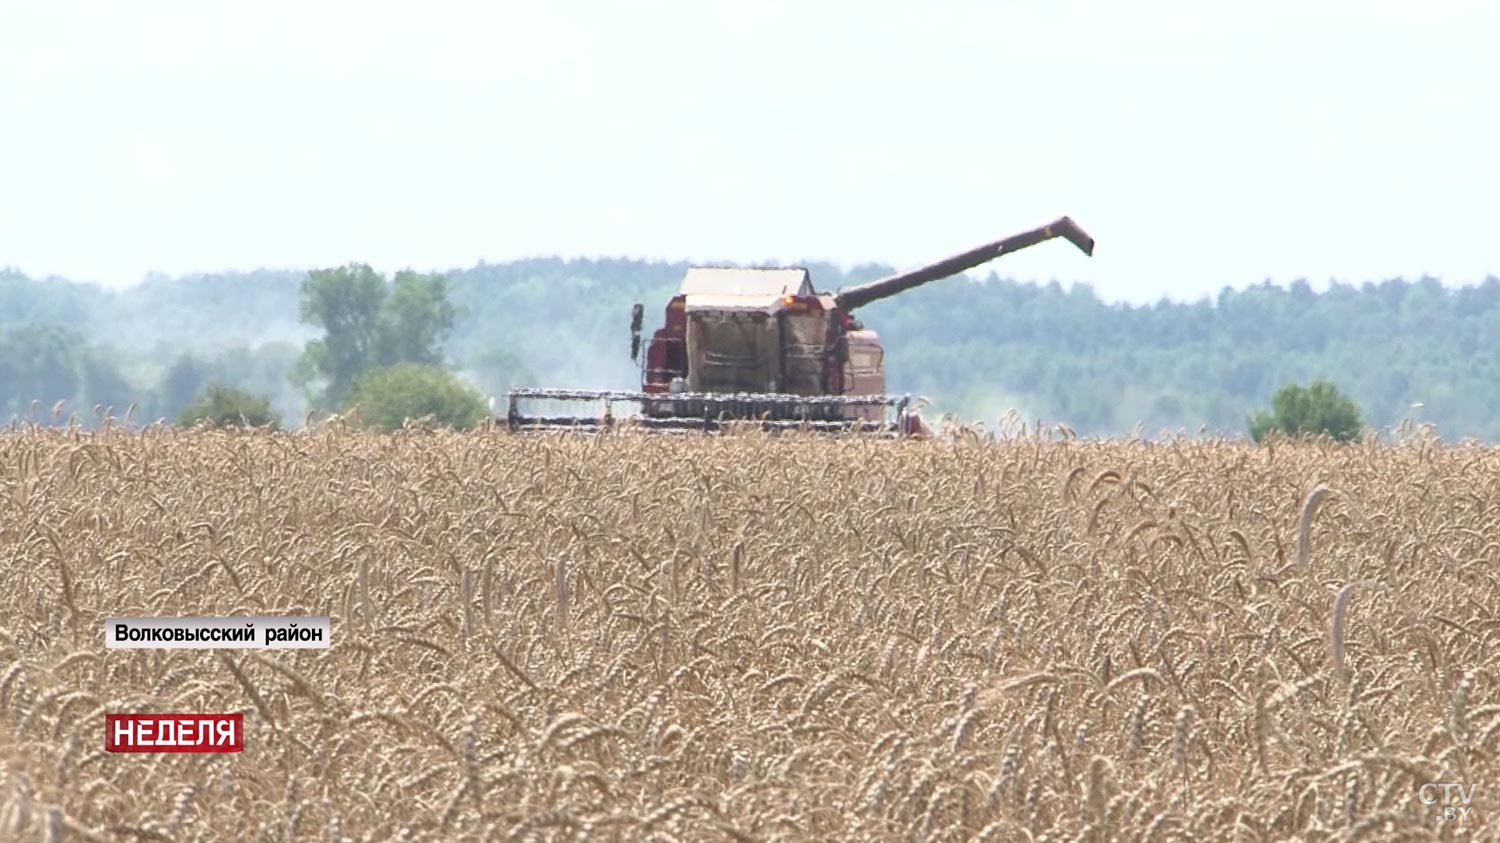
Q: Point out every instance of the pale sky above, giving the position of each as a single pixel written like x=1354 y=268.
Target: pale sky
x=1202 y=147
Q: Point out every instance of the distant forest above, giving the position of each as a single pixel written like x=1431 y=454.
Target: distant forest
x=975 y=348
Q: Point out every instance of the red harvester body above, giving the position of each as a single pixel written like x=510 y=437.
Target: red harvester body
x=762 y=344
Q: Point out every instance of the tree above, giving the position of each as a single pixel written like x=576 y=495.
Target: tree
x=388 y=397
x=496 y=371
x=38 y=364
x=416 y=320
x=369 y=323
x=346 y=303
x=222 y=406
x=180 y=384
x=1317 y=408
x=104 y=383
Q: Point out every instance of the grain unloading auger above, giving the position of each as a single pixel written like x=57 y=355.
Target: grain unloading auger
x=762 y=346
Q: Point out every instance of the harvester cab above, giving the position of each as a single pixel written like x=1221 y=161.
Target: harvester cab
x=744 y=344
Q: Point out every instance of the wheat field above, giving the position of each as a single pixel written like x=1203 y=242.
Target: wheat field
x=749 y=638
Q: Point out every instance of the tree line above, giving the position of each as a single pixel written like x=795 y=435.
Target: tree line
x=973 y=347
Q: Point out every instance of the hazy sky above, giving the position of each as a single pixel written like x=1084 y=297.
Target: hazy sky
x=1201 y=147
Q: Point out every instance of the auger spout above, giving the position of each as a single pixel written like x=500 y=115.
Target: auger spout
x=854 y=297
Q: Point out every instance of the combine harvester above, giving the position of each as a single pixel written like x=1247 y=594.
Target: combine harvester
x=762 y=346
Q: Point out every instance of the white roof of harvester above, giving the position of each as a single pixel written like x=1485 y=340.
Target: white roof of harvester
x=732 y=281
x=722 y=289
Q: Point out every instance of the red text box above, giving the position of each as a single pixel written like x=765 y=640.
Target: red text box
x=174 y=732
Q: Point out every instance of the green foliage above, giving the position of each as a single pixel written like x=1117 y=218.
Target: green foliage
x=390 y=396
x=496 y=371
x=223 y=406
x=417 y=319
x=180 y=384
x=369 y=323
x=1316 y=409
x=975 y=348
x=261 y=371
x=103 y=383
x=39 y=364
